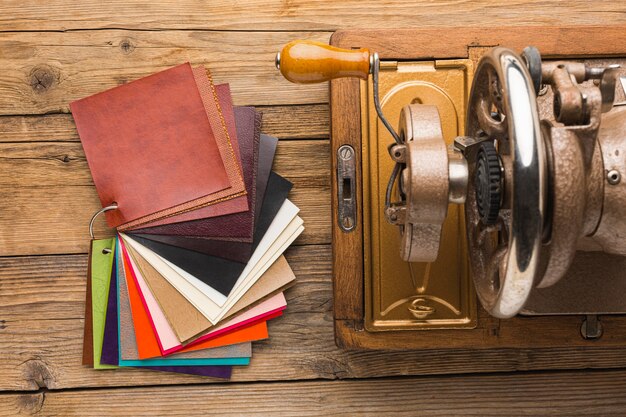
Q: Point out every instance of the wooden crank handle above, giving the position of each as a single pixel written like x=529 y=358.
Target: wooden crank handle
x=307 y=62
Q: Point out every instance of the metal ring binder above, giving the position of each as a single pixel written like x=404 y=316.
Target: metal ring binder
x=99 y=212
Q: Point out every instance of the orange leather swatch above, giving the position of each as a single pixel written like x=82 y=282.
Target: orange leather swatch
x=150 y=146
x=254 y=332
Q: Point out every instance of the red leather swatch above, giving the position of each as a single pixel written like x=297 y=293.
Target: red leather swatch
x=241 y=128
x=239 y=225
x=150 y=146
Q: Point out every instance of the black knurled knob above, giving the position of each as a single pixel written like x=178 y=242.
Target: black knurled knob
x=488 y=183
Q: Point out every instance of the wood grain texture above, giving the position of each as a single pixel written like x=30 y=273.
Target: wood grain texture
x=277 y=15
x=50 y=55
x=43 y=74
x=546 y=394
x=47 y=196
x=285 y=122
x=41 y=322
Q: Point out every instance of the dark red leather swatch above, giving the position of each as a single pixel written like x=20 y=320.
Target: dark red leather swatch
x=234 y=251
x=238 y=225
x=149 y=145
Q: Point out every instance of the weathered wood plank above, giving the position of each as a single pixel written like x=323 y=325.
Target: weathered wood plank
x=47 y=196
x=43 y=73
x=285 y=122
x=276 y=15
x=546 y=394
x=41 y=321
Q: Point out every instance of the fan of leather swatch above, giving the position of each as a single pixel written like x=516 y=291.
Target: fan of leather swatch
x=197 y=268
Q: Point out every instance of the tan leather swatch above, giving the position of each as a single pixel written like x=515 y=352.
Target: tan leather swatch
x=185 y=320
x=276 y=279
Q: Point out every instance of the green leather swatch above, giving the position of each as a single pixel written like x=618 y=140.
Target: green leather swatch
x=101 y=267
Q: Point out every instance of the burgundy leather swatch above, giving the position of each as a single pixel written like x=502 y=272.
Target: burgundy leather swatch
x=238 y=225
x=157 y=132
x=229 y=200
x=234 y=251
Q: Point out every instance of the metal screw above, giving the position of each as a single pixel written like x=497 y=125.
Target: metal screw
x=613 y=177
x=345 y=152
x=591 y=327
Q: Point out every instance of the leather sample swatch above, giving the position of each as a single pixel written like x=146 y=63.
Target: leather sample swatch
x=268 y=308
x=234 y=154
x=102 y=267
x=239 y=224
x=140 y=326
x=220 y=273
x=168 y=342
x=158 y=133
x=231 y=250
x=130 y=344
x=228 y=355
x=284 y=229
x=223 y=127
x=110 y=347
x=88 y=322
x=185 y=319
x=183 y=316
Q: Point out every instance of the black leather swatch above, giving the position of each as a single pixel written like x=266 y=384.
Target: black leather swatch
x=219 y=273
x=231 y=250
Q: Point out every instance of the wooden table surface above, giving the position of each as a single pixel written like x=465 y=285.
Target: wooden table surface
x=53 y=52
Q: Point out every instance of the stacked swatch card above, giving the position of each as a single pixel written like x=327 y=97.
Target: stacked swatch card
x=197 y=267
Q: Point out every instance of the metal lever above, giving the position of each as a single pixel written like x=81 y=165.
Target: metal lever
x=310 y=62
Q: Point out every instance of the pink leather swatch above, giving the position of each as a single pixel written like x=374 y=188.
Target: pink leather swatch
x=262 y=310
x=168 y=342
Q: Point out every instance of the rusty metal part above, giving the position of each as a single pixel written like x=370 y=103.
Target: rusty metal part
x=610 y=235
x=576 y=175
x=505 y=257
x=424 y=183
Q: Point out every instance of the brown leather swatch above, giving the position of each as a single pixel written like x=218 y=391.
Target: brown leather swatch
x=150 y=146
x=240 y=224
x=88 y=326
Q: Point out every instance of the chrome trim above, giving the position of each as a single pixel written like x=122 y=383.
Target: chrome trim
x=520 y=264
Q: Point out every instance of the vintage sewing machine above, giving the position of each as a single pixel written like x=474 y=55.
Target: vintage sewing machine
x=503 y=179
